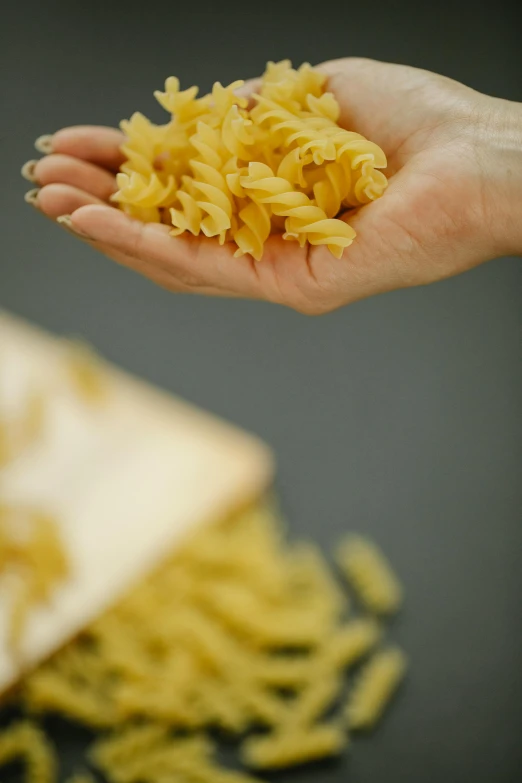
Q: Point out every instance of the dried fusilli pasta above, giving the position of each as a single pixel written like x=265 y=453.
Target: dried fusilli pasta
x=376 y=684
x=27 y=742
x=193 y=172
x=287 y=749
x=235 y=631
x=367 y=569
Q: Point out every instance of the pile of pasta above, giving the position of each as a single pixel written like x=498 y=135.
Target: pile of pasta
x=237 y=633
x=239 y=171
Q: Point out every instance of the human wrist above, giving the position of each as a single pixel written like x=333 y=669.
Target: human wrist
x=502 y=158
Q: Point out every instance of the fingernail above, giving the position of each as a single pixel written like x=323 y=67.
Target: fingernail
x=28 y=170
x=66 y=223
x=31 y=197
x=44 y=144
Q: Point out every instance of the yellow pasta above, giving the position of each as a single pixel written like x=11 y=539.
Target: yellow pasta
x=212 y=194
x=376 y=684
x=312 y=580
x=252 y=230
x=26 y=742
x=146 y=754
x=287 y=749
x=236 y=630
x=145 y=191
x=352 y=642
x=196 y=172
x=320 y=693
x=128 y=743
x=367 y=569
x=265 y=626
x=305 y=221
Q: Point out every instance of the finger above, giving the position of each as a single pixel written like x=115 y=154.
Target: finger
x=283 y=275
x=58 y=199
x=67 y=170
x=152 y=272
x=196 y=262
x=93 y=143
x=156 y=275
x=309 y=279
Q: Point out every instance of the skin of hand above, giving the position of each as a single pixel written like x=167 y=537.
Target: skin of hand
x=454 y=198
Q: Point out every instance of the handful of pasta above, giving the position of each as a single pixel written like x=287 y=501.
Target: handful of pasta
x=223 y=170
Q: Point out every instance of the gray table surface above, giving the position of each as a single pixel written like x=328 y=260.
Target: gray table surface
x=400 y=416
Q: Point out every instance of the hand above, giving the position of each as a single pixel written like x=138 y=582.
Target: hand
x=455 y=169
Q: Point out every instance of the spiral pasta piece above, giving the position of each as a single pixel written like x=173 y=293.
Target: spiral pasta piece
x=190 y=215
x=324 y=106
x=369 y=186
x=307 y=81
x=147 y=192
x=278 y=83
x=292 y=166
x=314 y=700
x=309 y=138
x=310 y=224
x=267 y=188
x=271 y=112
x=365 y=566
x=142 y=144
x=26 y=741
x=296 y=746
x=223 y=98
x=48 y=690
x=236 y=133
x=310 y=133
x=332 y=189
x=214 y=200
x=376 y=684
x=352 y=642
x=251 y=236
x=182 y=104
x=206 y=192
x=283 y=83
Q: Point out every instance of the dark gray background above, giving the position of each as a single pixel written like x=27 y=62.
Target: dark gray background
x=399 y=416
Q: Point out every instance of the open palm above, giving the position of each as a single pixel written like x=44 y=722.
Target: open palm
x=430 y=223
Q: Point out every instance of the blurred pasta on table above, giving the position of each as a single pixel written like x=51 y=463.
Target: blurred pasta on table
x=237 y=631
